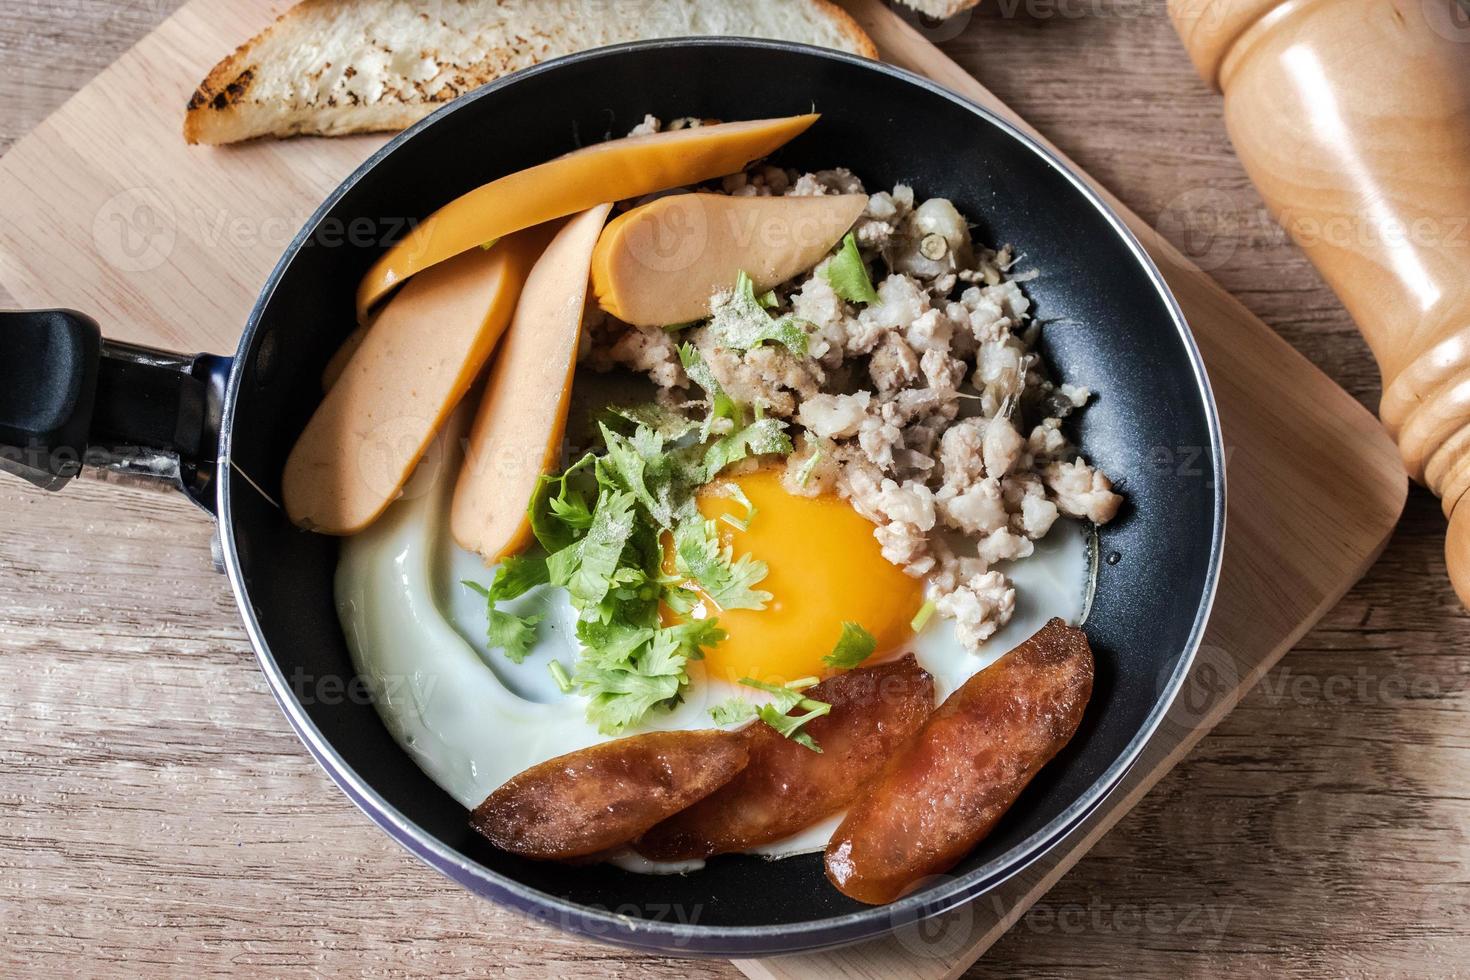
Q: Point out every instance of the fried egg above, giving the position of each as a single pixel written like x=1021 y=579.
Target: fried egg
x=824 y=568
x=471 y=719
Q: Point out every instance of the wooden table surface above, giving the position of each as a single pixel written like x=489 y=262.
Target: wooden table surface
x=1323 y=829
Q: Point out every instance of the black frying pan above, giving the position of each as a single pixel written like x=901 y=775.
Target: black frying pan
x=204 y=422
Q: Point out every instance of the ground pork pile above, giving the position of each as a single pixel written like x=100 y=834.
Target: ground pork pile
x=927 y=409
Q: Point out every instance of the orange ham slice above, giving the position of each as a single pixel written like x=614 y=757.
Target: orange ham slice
x=942 y=794
x=609 y=171
x=661 y=262
x=518 y=428
x=339 y=361
x=875 y=711
x=400 y=383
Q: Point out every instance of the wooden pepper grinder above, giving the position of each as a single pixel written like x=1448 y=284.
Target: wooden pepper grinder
x=1353 y=119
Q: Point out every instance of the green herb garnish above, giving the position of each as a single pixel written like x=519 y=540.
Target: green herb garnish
x=853 y=647
x=735 y=711
x=804 y=474
x=848 y=274
x=785 y=699
x=515 y=576
x=922 y=616
x=603 y=522
x=790 y=725
x=506 y=631
x=721 y=405
x=733 y=491
x=742 y=323
x=728 y=581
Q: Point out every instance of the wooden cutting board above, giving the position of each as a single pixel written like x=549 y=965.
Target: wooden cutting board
x=103 y=208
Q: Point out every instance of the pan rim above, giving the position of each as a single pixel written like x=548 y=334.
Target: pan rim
x=685 y=938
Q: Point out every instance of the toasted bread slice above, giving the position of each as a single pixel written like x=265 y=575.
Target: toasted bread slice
x=331 y=67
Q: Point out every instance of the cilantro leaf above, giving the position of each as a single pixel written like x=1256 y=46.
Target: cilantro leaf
x=624 y=692
x=640 y=465
x=733 y=491
x=623 y=696
x=848 y=274
x=790 y=725
x=696 y=634
x=506 y=631
x=853 y=647
x=742 y=323
x=557 y=511
x=722 y=406
x=516 y=576
x=759 y=438
x=588 y=570
x=728 y=581
x=513 y=634
x=735 y=711
x=666 y=422
x=610 y=644
x=680 y=599
x=785 y=699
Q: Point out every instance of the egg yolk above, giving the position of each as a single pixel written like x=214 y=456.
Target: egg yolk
x=824 y=568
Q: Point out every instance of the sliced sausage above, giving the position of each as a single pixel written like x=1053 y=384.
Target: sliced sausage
x=938 y=797
x=605 y=795
x=787 y=787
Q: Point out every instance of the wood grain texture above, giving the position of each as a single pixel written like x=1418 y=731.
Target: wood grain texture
x=1320 y=830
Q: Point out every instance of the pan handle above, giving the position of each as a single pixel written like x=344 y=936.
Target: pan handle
x=74 y=404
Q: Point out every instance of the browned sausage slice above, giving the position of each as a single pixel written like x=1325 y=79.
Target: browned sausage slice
x=605 y=795
x=938 y=797
x=786 y=787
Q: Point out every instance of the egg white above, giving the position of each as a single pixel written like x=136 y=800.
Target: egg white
x=471 y=719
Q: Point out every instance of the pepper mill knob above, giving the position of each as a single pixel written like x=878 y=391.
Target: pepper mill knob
x=1352 y=117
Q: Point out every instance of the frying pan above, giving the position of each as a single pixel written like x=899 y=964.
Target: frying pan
x=219 y=429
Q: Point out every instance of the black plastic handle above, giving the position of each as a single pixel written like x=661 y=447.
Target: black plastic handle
x=69 y=399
